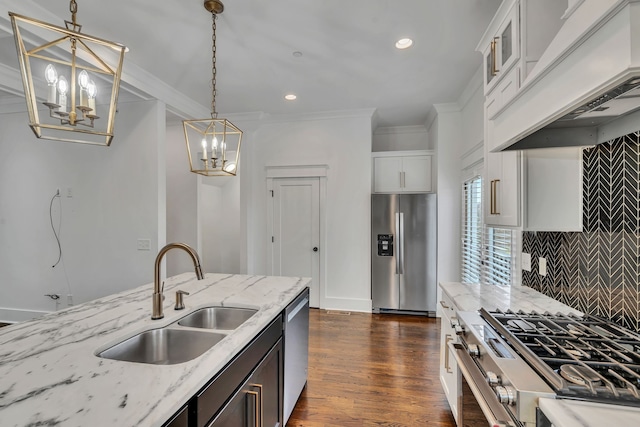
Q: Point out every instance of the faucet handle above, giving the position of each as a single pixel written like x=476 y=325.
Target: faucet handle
x=180 y=300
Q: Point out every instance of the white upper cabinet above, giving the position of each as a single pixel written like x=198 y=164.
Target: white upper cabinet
x=402 y=172
x=554 y=189
x=512 y=45
x=538 y=190
x=501 y=44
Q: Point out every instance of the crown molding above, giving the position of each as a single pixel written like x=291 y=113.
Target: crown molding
x=324 y=115
x=400 y=130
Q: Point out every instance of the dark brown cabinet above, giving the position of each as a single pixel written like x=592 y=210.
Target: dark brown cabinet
x=258 y=402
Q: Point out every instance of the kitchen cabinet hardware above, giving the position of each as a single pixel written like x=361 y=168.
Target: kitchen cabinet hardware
x=256 y=406
x=447 y=365
x=494 y=66
x=494 y=197
x=445 y=306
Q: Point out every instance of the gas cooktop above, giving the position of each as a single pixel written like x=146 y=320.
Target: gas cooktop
x=584 y=358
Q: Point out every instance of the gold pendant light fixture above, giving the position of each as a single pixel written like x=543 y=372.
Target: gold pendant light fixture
x=71 y=80
x=213 y=144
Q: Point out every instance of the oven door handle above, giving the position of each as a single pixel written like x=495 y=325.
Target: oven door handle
x=484 y=394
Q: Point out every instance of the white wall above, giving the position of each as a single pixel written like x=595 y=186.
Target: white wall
x=471 y=104
x=445 y=129
x=116 y=193
x=219 y=213
x=182 y=201
x=401 y=138
x=344 y=144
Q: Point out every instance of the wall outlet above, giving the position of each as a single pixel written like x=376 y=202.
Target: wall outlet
x=144 y=244
x=526 y=261
x=69 y=300
x=542 y=263
x=69 y=192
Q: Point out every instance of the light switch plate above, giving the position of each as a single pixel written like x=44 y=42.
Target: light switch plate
x=144 y=244
x=542 y=263
x=526 y=261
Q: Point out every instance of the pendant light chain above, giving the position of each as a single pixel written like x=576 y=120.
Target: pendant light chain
x=214 y=113
x=73 y=8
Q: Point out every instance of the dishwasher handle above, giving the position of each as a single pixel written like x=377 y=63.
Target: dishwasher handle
x=297 y=309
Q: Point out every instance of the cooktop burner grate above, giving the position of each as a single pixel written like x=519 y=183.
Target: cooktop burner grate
x=581 y=357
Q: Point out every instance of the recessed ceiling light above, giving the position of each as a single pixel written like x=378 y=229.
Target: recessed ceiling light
x=290 y=97
x=404 y=43
x=297 y=54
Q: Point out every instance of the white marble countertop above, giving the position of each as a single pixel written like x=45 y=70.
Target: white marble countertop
x=571 y=413
x=471 y=297
x=50 y=375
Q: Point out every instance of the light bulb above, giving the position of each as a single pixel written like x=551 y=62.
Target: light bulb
x=204 y=148
x=63 y=87
x=51 y=74
x=92 y=91
x=83 y=79
x=215 y=143
x=83 y=82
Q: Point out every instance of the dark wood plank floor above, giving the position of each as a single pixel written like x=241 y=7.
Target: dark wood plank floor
x=372 y=370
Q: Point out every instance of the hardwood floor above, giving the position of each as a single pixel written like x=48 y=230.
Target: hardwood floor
x=372 y=370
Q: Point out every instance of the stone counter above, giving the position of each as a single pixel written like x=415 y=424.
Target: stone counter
x=471 y=297
x=50 y=374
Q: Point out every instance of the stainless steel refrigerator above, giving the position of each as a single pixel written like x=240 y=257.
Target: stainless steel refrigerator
x=403 y=253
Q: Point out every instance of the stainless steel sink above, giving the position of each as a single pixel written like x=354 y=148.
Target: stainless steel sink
x=163 y=346
x=226 y=318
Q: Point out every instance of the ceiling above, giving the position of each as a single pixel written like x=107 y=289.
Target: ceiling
x=348 y=60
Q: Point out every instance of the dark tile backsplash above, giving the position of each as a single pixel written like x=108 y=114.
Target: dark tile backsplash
x=597 y=271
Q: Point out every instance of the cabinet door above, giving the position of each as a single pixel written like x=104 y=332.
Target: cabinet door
x=509 y=189
x=502 y=188
x=387 y=174
x=416 y=174
x=180 y=419
x=449 y=373
x=258 y=403
x=553 y=189
x=267 y=380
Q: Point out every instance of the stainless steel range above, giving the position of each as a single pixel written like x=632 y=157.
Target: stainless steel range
x=509 y=360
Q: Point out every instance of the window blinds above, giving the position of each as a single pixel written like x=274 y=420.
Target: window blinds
x=487 y=252
x=472 y=231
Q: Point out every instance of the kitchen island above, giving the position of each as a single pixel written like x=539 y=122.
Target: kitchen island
x=52 y=376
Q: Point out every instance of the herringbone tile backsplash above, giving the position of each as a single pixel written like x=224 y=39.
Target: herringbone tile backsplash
x=597 y=271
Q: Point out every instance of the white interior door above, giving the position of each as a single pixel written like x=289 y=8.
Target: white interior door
x=296 y=231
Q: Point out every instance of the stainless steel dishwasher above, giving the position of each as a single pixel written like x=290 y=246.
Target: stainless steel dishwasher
x=296 y=351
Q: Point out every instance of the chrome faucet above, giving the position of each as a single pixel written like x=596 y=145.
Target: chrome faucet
x=157 y=289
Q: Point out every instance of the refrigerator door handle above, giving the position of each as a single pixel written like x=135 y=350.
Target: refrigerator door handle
x=401 y=245
x=397 y=255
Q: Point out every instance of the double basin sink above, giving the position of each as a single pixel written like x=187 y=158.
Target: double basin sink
x=182 y=340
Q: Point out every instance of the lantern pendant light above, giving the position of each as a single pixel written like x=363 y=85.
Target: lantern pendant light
x=213 y=145
x=71 y=80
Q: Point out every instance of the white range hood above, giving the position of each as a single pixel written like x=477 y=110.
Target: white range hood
x=585 y=89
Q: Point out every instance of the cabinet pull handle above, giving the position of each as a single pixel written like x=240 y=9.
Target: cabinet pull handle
x=493 y=200
x=256 y=414
x=404 y=179
x=495 y=197
x=494 y=62
x=447 y=366
x=444 y=305
x=260 y=406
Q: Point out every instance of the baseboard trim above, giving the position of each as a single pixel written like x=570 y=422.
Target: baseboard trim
x=13 y=315
x=347 y=304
